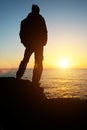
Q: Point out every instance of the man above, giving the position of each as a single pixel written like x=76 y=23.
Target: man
x=33 y=35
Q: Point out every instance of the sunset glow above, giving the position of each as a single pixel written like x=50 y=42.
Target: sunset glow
x=67 y=28
x=63 y=63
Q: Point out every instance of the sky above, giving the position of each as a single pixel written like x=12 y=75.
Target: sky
x=66 y=22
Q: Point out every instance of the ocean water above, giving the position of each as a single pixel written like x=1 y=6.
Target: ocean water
x=58 y=83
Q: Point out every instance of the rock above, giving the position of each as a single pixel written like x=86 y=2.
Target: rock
x=24 y=106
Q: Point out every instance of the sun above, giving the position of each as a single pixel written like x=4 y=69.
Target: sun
x=63 y=63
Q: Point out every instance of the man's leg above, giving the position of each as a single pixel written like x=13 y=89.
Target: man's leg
x=23 y=63
x=38 y=67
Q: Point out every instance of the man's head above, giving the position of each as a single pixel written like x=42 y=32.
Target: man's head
x=35 y=9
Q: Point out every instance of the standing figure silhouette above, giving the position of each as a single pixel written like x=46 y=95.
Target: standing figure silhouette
x=33 y=35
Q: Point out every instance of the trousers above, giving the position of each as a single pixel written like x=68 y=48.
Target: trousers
x=38 y=65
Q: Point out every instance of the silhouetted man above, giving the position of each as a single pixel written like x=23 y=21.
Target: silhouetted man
x=33 y=35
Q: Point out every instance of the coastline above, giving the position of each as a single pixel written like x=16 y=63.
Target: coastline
x=24 y=105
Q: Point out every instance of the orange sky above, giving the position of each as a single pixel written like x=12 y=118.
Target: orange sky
x=67 y=29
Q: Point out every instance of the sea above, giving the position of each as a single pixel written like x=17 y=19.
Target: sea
x=57 y=83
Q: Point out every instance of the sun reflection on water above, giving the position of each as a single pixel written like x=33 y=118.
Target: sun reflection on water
x=69 y=83
x=58 y=83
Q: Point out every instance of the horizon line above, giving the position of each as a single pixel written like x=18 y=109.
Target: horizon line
x=48 y=68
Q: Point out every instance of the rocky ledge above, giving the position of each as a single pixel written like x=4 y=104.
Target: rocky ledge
x=23 y=105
